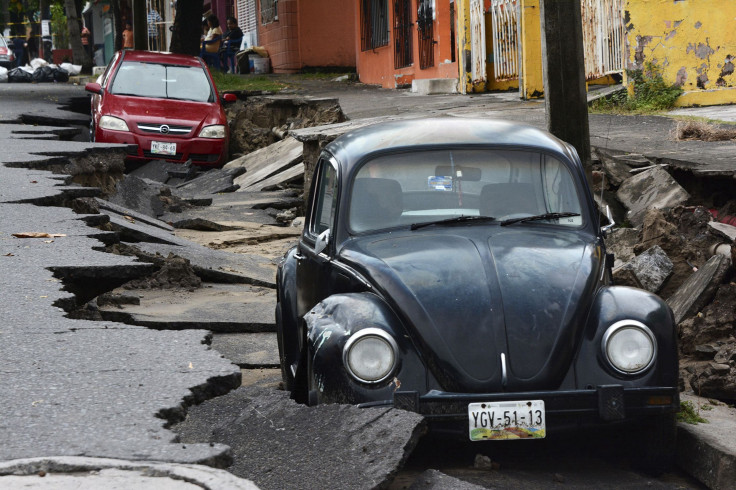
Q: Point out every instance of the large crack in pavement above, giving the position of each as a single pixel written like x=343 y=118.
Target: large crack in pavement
x=97 y=389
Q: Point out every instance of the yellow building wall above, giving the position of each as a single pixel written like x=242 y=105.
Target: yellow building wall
x=693 y=42
x=532 y=79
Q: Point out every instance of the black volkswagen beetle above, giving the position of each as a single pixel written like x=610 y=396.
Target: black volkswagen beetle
x=457 y=268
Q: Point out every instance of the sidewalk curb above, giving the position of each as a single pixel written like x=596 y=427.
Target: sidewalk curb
x=134 y=472
x=706 y=451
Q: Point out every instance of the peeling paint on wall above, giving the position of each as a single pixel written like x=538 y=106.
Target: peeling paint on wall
x=693 y=42
x=681 y=76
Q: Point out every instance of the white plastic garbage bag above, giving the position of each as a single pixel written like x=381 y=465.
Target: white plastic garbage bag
x=38 y=62
x=3 y=74
x=27 y=68
x=72 y=69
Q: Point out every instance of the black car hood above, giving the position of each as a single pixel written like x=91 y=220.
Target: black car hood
x=466 y=300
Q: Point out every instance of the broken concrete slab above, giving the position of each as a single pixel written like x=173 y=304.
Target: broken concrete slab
x=248 y=350
x=141 y=195
x=109 y=207
x=214 y=265
x=129 y=230
x=616 y=171
x=698 y=290
x=237 y=209
x=216 y=307
x=67 y=472
x=654 y=188
x=201 y=224
x=215 y=181
x=288 y=176
x=267 y=430
x=436 y=480
x=160 y=170
x=724 y=230
x=247 y=234
x=706 y=451
x=652 y=268
x=633 y=159
x=620 y=242
x=267 y=161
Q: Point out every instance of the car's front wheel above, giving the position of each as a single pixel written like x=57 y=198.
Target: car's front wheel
x=657 y=444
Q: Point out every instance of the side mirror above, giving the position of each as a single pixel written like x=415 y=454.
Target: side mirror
x=322 y=240
x=229 y=97
x=95 y=88
x=611 y=223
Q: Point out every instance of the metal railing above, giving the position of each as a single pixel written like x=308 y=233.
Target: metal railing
x=425 y=32
x=505 y=20
x=477 y=41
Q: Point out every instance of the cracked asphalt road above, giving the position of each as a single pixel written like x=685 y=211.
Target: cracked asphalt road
x=77 y=387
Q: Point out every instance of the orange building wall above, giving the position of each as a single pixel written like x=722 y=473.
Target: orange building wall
x=309 y=33
x=377 y=66
x=281 y=38
x=326 y=33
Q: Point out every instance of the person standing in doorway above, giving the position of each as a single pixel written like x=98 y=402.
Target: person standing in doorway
x=153 y=21
x=128 y=42
x=85 y=41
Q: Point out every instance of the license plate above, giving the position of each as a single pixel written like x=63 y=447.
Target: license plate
x=163 y=148
x=506 y=420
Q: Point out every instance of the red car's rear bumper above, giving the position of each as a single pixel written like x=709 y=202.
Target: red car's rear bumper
x=202 y=151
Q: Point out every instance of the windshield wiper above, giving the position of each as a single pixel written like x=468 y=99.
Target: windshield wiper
x=457 y=219
x=537 y=218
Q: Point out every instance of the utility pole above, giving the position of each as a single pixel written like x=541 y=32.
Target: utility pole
x=140 y=24
x=563 y=64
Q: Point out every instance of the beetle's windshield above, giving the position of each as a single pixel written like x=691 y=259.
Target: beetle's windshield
x=162 y=81
x=412 y=188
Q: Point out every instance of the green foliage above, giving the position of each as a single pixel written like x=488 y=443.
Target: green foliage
x=651 y=94
x=689 y=414
x=227 y=82
x=59 y=27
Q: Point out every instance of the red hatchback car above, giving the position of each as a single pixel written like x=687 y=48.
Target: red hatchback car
x=165 y=104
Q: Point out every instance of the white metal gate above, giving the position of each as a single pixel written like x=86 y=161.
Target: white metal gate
x=477 y=41
x=603 y=37
x=248 y=21
x=505 y=21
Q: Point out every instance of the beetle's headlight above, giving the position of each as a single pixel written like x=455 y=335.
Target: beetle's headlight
x=111 y=122
x=629 y=346
x=370 y=355
x=215 y=132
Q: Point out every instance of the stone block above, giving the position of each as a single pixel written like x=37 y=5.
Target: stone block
x=723 y=230
x=654 y=188
x=698 y=290
x=434 y=86
x=652 y=268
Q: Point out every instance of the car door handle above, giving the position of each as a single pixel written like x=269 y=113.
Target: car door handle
x=299 y=256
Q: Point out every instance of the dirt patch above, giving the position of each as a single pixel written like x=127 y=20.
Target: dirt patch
x=258 y=122
x=700 y=131
x=176 y=272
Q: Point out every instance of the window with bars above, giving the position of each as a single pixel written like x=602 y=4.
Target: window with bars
x=269 y=11
x=402 y=34
x=373 y=24
x=425 y=32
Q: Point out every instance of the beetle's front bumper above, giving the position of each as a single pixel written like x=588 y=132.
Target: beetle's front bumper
x=448 y=412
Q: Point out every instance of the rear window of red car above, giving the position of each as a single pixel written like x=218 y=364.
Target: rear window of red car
x=162 y=81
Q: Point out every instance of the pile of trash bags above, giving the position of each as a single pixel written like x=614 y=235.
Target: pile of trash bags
x=38 y=71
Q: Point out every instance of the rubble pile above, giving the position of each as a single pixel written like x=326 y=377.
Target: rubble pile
x=677 y=245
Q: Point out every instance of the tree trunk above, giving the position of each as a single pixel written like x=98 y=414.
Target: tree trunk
x=187 y=27
x=79 y=55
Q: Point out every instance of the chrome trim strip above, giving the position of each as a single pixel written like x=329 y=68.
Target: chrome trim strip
x=504 y=373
